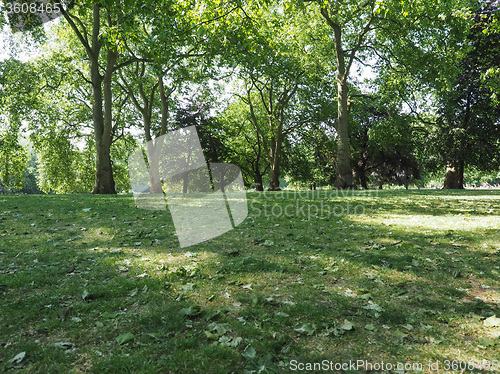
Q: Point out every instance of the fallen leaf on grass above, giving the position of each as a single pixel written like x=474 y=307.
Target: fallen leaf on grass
x=192 y=311
x=432 y=340
x=399 y=334
x=492 y=321
x=249 y=352
x=228 y=341
x=211 y=335
x=347 y=325
x=155 y=335
x=123 y=269
x=282 y=314
x=110 y=315
x=221 y=328
x=65 y=345
x=188 y=287
x=64 y=313
x=487 y=342
x=71 y=269
x=13 y=362
x=366 y=296
x=306 y=328
x=370 y=327
x=373 y=306
x=125 y=338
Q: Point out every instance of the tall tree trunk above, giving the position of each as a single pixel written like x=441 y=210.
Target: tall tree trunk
x=454 y=177
x=104 y=182
x=276 y=141
x=343 y=169
x=102 y=117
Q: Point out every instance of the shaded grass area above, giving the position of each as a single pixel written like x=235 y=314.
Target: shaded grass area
x=394 y=276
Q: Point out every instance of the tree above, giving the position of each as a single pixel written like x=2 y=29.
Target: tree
x=350 y=22
x=488 y=20
x=18 y=83
x=246 y=138
x=379 y=31
x=270 y=61
x=469 y=118
x=274 y=96
x=171 y=52
x=102 y=28
x=382 y=141
x=309 y=155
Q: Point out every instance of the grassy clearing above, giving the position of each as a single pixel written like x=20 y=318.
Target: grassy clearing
x=394 y=276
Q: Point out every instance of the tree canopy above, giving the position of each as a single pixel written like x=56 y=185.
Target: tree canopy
x=292 y=91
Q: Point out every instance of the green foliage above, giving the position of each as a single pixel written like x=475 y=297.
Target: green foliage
x=467 y=127
x=287 y=60
x=120 y=152
x=309 y=155
x=246 y=138
x=57 y=160
x=13 y=160
x=17 y=83
x=30 y=177
x=383 y=145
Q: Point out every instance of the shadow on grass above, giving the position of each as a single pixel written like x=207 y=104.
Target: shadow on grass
x=277 y=288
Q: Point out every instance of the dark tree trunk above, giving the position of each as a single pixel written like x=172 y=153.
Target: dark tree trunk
x=274 y=184
x=361 y=173
x=343 y=170
x=258 y=181
x=454 y=177
x=101 y=89
x=363 y=180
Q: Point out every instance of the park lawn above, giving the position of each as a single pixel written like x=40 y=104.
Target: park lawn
x=93 y=284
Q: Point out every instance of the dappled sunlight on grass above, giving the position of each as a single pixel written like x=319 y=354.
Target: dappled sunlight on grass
x=432 y=222
x=406 y=280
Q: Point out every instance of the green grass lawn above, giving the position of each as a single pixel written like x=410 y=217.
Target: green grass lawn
x=93 y=284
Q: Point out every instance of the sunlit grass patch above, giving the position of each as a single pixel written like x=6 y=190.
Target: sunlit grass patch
x=411 y=277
